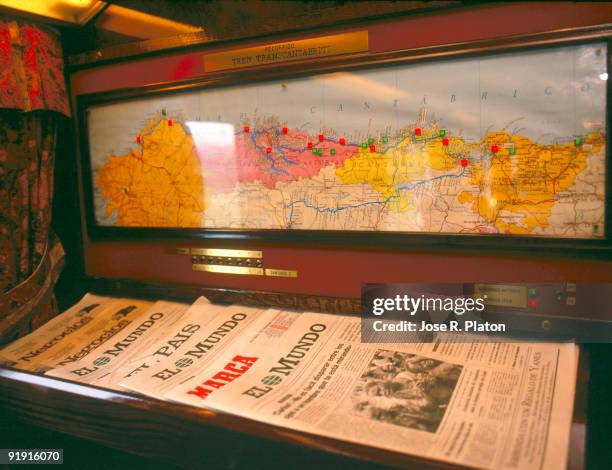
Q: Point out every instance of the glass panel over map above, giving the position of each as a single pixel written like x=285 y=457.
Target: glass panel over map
x=507 y=144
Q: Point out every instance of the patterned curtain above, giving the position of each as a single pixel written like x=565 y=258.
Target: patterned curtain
x=33 y=101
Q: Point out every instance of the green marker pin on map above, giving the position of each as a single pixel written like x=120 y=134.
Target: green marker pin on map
x=442 y=132
x=370 y=141
x=163 y=111
x=511 y=151
x=385 y=139
x=332 y=151
x=364 y=145
x=577 y=141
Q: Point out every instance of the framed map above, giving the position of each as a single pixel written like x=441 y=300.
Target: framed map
x=510 y=144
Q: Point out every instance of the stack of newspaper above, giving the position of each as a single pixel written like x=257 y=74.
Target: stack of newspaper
x=480 y=404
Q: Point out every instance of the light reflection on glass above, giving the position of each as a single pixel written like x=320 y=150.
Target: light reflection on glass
x=215 y=146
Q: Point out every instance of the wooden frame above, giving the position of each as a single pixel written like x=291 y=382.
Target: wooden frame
x=359 y=239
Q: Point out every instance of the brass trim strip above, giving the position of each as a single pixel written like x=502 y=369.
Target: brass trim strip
x=220 y=269
x=226 y=253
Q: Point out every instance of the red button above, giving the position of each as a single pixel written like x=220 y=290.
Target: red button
x=533 y=303
x=247 y=129
x=464 y=162
x=321 y=137
x=285 y=130
x=372 y=148
x=170 y=122
x=417 y=131
x=268 y=149
x=309 y=145
x=494 y=148
x=445 y=141
x=342 y=141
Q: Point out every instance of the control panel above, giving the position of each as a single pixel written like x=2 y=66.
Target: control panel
x=229 y=261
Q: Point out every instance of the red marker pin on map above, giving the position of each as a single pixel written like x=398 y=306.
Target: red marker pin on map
x=464 y=162
x=342 y=141
x=417 y=131
x=285 y=130
x=445 y=141
x=268 y=149
x=494 y=149
x=138 y=139
x=309 y=145
x=321 y=137
x=170 y=122
x=246 y=129
x=372 y=148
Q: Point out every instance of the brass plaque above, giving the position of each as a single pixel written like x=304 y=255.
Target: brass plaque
x=223 y=253
x=217 y=268
x=287 y=51
x=503 y=295
x=281 y=272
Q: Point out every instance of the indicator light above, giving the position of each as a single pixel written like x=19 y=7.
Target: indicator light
x=533 y=303
x=533 y=291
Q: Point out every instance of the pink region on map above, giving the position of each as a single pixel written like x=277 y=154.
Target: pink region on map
x=244 y=157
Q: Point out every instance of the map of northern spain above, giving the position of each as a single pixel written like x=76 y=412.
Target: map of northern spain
x=508 y=144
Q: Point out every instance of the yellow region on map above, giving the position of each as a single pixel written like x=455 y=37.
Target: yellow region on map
x=521 y=177
x=158 y=185
x=527 y=182
x=403 y=163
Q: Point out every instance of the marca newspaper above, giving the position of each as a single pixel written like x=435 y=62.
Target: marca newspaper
x=207 y=331
x=99 y=368
x=485 y=405
x=72 y=335
x=235 y=359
